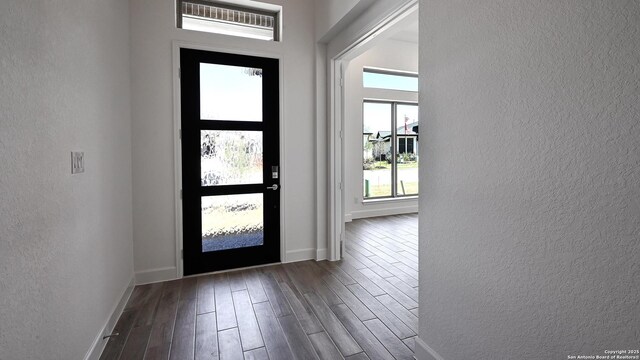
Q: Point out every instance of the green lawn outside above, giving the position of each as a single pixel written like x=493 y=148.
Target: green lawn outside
x=386 y=165
x=411 y=188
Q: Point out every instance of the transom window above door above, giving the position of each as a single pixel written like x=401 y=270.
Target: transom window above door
x=261 y=21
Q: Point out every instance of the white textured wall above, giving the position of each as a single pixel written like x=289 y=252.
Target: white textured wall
x=153 y=31
x=387 y=54
x=530 y=223
x=329 y=12
x=65 y=240
x=332 y=16
x=365 y=16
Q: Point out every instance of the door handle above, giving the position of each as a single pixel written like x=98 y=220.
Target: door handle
x=273 y=187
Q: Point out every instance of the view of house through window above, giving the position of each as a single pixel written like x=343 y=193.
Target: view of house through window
x=390 y=149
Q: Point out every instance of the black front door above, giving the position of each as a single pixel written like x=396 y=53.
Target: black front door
x=230 y=160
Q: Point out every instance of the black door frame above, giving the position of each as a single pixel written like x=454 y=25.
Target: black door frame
x=189 y=108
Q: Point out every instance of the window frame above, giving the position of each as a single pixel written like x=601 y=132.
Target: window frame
x=394 y=144
x=277 y=14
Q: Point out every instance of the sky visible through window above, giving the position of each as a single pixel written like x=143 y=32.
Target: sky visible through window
x=389 y=81
x=230 y=93
x=377 y=116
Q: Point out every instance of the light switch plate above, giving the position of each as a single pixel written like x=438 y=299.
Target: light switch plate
x=77 y=162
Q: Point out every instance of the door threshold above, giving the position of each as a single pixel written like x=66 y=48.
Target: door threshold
x=232 y=270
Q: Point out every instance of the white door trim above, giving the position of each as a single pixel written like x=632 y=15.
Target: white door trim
x=336 y=125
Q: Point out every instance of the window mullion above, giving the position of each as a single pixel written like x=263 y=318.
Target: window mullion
x=394 y=150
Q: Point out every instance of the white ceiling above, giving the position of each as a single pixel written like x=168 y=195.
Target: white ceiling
x=407 y=35
x=406 y=30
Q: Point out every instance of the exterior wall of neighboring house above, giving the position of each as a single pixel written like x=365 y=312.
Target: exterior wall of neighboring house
x=379 y=147
x=407 y=138
x=407 y=144
x=530 y=219
x=377 y=56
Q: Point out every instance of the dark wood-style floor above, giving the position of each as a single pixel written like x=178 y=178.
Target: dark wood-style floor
x=363 y=307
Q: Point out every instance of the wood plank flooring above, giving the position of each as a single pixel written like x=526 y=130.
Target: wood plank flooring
x=363 y=307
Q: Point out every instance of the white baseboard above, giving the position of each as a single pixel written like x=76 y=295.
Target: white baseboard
x=156 y=275
x=361 y=214
x=321 y=254
x=348 y=217
x=99 y=343
x=425 y=352
x=300 y=255
x=169 y=273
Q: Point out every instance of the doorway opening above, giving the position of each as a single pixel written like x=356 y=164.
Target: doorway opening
x=390 y=48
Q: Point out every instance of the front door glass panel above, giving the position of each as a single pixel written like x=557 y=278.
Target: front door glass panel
x=232 y=93
x=230 y=157
x=232 y=221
